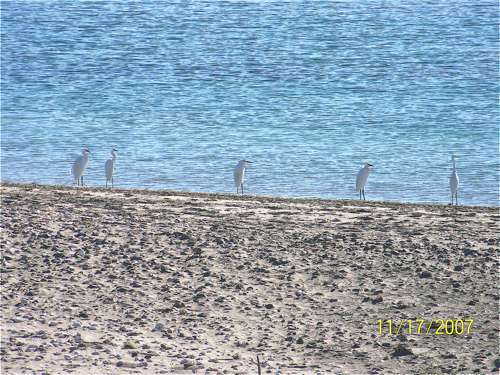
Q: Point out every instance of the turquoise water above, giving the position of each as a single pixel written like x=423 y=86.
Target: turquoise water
x=307 y=90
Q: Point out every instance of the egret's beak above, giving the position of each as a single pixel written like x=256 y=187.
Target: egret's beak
x=246 y=161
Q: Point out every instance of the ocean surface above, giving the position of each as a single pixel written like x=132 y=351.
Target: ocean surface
x=307 y=90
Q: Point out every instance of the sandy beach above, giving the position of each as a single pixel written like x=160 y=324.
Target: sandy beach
x=101 y=281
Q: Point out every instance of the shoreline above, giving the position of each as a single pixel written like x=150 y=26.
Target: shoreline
x=154 y=282
x=261 y=198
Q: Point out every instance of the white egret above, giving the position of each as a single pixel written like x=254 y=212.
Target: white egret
x=361 y=179
x=454 y=181
x=109 y=167
x=239 y=174
x=79 y=166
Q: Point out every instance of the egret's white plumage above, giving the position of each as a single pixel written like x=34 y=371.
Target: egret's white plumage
x=109 y=167
x=239 y=174
x=361 y=179
x=79 y=165
x=454 y=182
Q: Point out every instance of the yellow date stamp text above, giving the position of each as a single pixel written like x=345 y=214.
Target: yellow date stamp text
x=425 y=326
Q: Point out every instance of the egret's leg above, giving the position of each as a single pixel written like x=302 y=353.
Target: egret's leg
x=364 y=198
x=456 y=197
x=112 y=183
x=106 y=182
x=359 y=194
x=241 y=188
x=82 y=180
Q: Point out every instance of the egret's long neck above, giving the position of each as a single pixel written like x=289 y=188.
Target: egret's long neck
x=113 y=154
x=454 y=165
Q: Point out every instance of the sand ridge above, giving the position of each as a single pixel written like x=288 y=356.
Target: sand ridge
x=131 y=281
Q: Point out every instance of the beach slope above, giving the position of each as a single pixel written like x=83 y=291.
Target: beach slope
x=122 y=281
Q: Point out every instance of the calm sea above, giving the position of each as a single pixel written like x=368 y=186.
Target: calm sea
x=307 y=90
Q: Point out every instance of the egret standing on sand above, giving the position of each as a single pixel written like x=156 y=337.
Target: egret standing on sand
x=109 y=167
x=79 y=166
x=239 y=174
x=361 y=179
x=454 y=181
